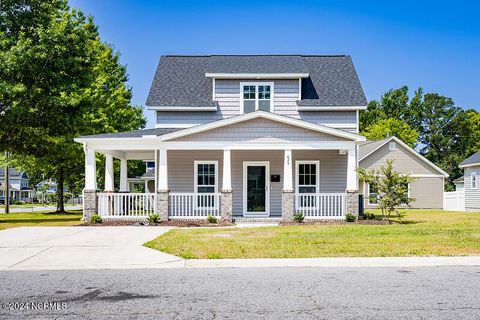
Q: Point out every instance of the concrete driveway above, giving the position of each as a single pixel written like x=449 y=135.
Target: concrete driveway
x=68 y=248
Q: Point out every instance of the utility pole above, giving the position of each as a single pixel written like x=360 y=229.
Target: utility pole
x=6 y=190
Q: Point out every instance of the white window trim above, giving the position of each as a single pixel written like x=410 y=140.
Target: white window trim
x=297 y=174
x=368 y=195
x=195 y=178
x=473 y=174
x=256 y=84
x=267 y=189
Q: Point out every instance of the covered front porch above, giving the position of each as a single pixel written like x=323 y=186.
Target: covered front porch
x=198 y=173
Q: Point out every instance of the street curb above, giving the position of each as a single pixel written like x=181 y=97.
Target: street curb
x=373 y=262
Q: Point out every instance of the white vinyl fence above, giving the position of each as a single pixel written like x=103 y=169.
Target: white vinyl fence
x=454 y=201
x=321 y=205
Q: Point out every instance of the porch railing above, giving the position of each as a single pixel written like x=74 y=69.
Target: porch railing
x=193 y=205
x=321 y=205
x=126 y=205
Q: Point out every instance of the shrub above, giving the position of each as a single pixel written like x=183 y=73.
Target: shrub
x=212 y=219
x=298 y=217
x=369 y=215
x=153 y=218
x=350 y=217
x=17 y=202
x=95 y=218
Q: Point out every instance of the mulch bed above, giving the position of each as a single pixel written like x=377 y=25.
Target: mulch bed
x=170 y=223
x=334 y=222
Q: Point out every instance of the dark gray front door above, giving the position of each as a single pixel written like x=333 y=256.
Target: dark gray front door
x=256 y=189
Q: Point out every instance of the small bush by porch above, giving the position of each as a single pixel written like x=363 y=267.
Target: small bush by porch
x=420 y=233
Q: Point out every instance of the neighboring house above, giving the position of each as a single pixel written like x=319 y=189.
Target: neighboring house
x=240 y=136
x=471 y=167
x=427 y=189
x=18 y=185
x=459 y=184
x=51 y=186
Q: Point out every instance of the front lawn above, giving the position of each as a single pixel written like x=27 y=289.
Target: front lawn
x=42 y=218
x=420 y=233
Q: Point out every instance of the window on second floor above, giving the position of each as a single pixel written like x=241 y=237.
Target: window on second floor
x=256 y=96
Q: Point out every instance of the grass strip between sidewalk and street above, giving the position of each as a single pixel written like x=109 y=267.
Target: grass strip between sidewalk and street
x=419 y=233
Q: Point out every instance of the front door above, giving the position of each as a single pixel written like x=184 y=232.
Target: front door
x=256 y=189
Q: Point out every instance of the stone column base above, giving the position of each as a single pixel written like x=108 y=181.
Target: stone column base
x=226 y=205
x=352 y=202
x=288 y=205
x=90 y=204
x=162 y=204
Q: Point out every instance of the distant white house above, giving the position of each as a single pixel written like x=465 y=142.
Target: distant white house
x=471 y=168
x=18 y=185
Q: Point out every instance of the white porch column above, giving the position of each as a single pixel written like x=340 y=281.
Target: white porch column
x=227 y=171
x=287 y=171
x=162 y=191
x=90 y=169
x=352 y=183
x=162 y=170
x=109 y=186
x=288 y=196
x=226 y=200
x=124 y=176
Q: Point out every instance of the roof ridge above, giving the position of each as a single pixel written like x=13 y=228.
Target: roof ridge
x=255 y=55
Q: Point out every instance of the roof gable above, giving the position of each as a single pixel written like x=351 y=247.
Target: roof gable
x=473 y=160
x=371 y=148
x=340 y=134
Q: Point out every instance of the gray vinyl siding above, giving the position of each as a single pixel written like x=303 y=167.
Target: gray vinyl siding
x=333 y=171
x=285 y=96
x=260 y=129
x=181 y=168
x=427 y=192
x=333 y=168
x=404 y=161
x=472 y=196
x=276 y=167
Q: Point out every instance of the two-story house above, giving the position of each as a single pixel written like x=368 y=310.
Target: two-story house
x=19 y=189
x=239 y=136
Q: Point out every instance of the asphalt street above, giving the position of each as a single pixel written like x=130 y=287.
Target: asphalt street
x=247 y=293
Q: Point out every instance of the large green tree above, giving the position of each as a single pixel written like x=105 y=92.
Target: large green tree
x=57 y=81
x=391 y=127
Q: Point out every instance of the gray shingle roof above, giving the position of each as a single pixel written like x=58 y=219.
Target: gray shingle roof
x=473 y=159
x=134 y=134
x=13 y=173
x=181 y=81
x=149 y=174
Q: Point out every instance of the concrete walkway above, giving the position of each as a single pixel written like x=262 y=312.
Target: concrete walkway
x=80 y=248
x=77 y=248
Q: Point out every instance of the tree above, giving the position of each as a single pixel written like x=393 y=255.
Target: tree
x=391 y=127
x=392 y=187
x=58 y=81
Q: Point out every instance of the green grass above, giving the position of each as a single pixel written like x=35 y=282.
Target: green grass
x=42 y=218
x=26 y=205
x=421 y=233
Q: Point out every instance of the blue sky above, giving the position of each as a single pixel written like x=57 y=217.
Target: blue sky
x=432 y=44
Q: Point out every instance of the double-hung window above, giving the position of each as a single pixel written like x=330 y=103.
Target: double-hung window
x=372 y=193
x=206 y=182
x=308 y=182
x=256 y=96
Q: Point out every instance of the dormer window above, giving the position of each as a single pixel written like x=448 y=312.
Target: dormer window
x=256 y=96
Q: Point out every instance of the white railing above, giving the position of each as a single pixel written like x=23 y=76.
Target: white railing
x=193 y=205
x=321 y=205
x=126 y=205
x=454 y=201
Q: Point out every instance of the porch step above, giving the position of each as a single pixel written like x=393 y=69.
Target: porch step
x=256 y=220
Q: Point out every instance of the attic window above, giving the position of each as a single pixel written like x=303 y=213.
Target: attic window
x=256 y=96
x=392 y=146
